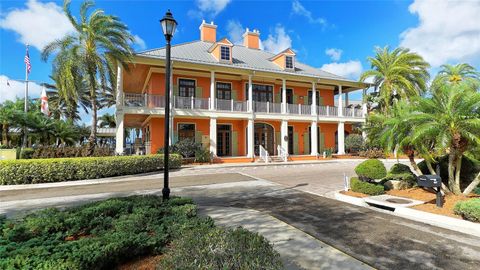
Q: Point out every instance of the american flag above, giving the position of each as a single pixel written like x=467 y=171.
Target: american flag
x=27 y=61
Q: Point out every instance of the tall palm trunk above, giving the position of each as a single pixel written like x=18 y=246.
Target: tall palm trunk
x=452 y=160
x=411 y=157
x=93 y=99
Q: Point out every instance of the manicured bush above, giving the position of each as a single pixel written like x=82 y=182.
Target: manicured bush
x=218 y=248
x=70 y=169
x=469 y=210
x=366 y=188
x=26 y=153
x=202 y=155
x=98 y=235
x=470 y=169
x=399 y=168
x=371 y=169
x=372 y=153
x=185 y=147
x=353 y=143
x=70 y=151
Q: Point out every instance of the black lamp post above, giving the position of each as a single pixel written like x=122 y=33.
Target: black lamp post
x=168 y=26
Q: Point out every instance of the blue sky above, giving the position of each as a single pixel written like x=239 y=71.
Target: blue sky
x=337 y=36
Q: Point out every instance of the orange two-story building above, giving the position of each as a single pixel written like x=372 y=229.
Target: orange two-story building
x=237 y=101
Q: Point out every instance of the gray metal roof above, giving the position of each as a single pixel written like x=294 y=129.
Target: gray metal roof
x=242 y=57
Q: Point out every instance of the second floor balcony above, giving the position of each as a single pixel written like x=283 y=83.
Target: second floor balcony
x=238 y=106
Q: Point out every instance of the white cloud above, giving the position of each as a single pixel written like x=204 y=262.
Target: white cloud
x=299 y=9
x=38 y=24
x=139 y=42
x=278 y=41
x=10 y=89
x=351 y=69
x=335 y=54
x=235 y=31
x=448 y=31
x=210 y=8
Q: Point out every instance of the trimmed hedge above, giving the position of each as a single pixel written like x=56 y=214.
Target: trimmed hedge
x=402 y=173
x=469 y=210
x=399 y=168
x=366 y=188
x=34 y=171
x=371 y=169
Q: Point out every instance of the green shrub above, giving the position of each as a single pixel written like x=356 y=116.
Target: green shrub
x=470 y=169
x=399 y=168
x=202 y=155
x=70 y=169
x=218 y=248
x=26 y=153
x=186 y=147
x=97 y=235
x=371 y=169
x=70 y=151
x=476 y=191
x=353 y=143
x=366 y=188
x=372 y=153
x=469 y=210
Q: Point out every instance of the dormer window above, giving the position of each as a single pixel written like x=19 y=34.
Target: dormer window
x=289 y=62
x=225 y=53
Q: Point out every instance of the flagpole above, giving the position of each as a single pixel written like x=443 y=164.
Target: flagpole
x=26 y=103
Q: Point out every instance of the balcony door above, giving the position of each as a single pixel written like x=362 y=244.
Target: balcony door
x=261 y=92
x=264 y=136
x=289 y=93
x=186 y=88
x=224 y=140
x=317 y=97
x=224 y=90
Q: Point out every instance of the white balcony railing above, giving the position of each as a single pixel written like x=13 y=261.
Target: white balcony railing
x=189 y=103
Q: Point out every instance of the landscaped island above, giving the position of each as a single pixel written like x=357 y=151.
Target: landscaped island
x=106 y=234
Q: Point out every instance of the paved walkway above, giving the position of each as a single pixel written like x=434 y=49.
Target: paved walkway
x=297 y=249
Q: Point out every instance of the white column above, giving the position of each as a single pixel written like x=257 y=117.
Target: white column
x=340 y=101
x=250 y=147
x=172 y=111
x=250 y=94
x=212 y=90
x=314 y=138
x=119 y=98
x=341 y=138
x=314 y=99
x=284 y=135
x=213 y=136
x=119 y=133
x=284 y=96
x=346 y=99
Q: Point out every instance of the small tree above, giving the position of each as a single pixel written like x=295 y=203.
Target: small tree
x=354 y=142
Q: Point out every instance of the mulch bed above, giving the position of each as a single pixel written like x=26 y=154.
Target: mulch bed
x=142 y=263
x=429 y=198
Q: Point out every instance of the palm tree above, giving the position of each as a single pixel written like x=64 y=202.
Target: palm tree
x=107 y=120
x=455 y=74
x=449 y=119
x=397 y=74
x=99 y=43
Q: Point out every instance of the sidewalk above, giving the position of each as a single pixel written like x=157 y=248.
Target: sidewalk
x=297 y=249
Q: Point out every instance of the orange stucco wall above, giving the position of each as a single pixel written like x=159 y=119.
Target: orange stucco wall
x=156 y=133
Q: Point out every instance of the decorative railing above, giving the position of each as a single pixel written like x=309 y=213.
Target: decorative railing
x=189 y=103
x=282 y=153
x=263 y=154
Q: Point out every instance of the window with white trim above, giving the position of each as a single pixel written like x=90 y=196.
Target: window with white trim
x=289 y=62
x=225 y=53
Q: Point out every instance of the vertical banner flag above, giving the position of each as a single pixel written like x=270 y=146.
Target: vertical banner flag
x=44 y=105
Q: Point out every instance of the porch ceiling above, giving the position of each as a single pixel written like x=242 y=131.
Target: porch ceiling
x=134 y=120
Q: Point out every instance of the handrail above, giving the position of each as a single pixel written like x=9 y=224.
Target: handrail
x=282 y=153
x=263 y=154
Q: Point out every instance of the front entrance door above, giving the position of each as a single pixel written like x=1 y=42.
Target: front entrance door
x=290 y=140
x=264 y=136
x=224 y=140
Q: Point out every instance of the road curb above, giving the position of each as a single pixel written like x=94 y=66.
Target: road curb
x=449 y=223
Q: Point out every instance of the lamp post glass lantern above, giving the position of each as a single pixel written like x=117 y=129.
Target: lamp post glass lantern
x=168 y=26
